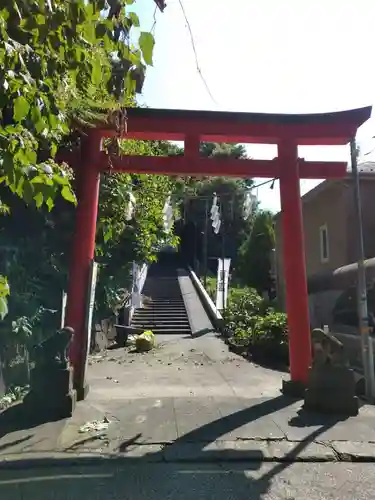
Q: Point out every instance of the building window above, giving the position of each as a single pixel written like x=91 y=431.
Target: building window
x=324 y=247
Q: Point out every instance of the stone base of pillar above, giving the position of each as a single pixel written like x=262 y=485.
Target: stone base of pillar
x=332 y=389
x=51 y=395
x=293 y=389
x=82 y=392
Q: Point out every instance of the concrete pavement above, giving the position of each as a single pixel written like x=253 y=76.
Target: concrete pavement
x=189 y=413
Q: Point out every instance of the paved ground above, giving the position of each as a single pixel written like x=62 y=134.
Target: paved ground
x=189 y=419
x=191 y=482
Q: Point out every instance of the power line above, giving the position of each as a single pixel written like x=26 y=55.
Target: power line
x=195 y=52
x=205 y=197
x=152 y=30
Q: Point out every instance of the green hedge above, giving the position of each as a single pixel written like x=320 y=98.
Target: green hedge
x=255 y=328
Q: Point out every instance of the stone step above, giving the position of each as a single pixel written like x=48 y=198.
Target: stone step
x=160 y=295
x=164 y=308
x=159 y=318
x=156 y=317
x=166 y=300
x=160 y=324
x=162 y=327
x=160 y=314
x=171 y=331
x=163 y=295
x=177 y=304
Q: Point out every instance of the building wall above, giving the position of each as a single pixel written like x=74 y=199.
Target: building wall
x=367 y=187
x=325 y=208
x=334 y=207
x=328 y=209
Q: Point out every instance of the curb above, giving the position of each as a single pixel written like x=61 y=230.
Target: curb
x=45 y=460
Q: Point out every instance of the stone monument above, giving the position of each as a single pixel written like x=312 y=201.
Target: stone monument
x=51 y=379
x=331 y=386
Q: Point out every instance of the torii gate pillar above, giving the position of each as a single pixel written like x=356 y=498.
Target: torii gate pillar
x=83 y=250
x=294 y=268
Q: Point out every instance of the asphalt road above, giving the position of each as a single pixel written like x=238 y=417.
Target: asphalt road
x=159 y=481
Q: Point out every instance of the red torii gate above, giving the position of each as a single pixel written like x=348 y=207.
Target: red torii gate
x=193 y=127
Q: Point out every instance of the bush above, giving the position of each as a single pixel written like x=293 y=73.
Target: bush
x=244 y=305
x=270 y=338
x=211 y=287
x=255 y=328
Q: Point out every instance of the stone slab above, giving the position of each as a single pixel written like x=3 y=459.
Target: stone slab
x=199 y=321
x=356 y=451
x=299 y=426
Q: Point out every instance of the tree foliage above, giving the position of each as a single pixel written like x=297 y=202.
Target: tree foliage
x=37 y=268
x=64 y=65
x=255 y=253
x=223 y=150
x=55 y=57
x=198 y=195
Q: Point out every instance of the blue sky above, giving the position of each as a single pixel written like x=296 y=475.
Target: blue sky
x=273 y=56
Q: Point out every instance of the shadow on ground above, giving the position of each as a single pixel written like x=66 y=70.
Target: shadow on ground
x=310 y=419
x=19 y=418
x=151 y=476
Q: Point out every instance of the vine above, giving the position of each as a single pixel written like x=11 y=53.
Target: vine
x=52 y=53
x=63 y=66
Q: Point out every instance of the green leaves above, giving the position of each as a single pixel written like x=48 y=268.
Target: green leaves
x=39 y=199
x=21 y=108
x=146 y=44
x=134 y=19
x=68 y=194
x=4 y=292
x=96 y=73
x=57 y=59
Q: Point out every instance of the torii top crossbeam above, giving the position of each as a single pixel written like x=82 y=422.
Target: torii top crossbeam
x=194 y=127
x=335 y=128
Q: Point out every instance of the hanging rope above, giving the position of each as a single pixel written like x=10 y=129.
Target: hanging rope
x=130 y=210
x=167 y=215
x=248 y=204
x=215 y=215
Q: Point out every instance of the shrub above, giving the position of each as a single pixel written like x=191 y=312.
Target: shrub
x=244 y=305
x=270 y=337
x=255 y=327
x=211 y=287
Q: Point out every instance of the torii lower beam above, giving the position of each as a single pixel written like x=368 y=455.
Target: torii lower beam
x=182 y=165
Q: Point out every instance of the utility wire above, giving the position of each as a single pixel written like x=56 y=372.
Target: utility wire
x=195 y=52
x=152 y=30
x=206 y=196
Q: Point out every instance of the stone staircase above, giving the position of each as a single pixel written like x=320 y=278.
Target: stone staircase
x=163 y=310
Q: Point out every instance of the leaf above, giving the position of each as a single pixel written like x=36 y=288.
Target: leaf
x=146 y=44
x=96 y=73
x=134 y=19
x=68 y=195
x=7 y=163
x=50 y=204
x=3 y=307
x=20 y=108
x=4 y=287
x=28 y=192
x=100 y=30
x=35 y=114
x=40 y=126
x=37 y=180
x=59 y=179
x=107 y=233
x=31 y=155
x=38 y=199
